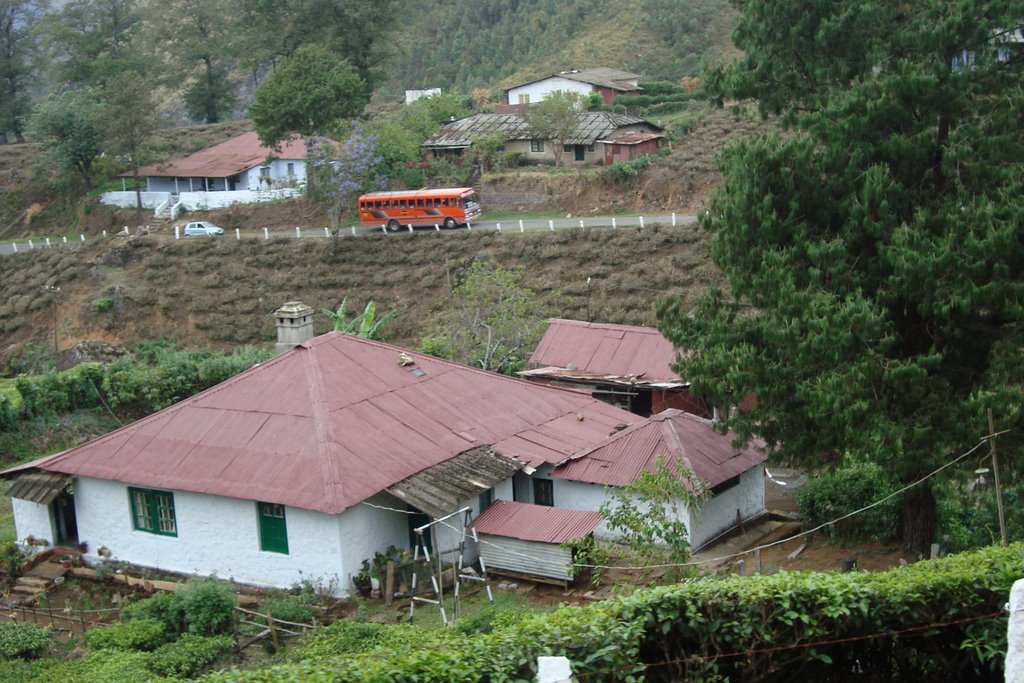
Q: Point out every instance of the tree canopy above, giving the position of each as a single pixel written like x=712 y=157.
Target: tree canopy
x=72 y=124
x=873 y=252
x=556 y=118
x=307 y=94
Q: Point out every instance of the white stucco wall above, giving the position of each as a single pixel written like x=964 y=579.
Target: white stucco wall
x=541 y=89
x=365 y=530
x=719 y=512
x=32 y=519
x=578 y=495
x=204 y=201
x=126 y=200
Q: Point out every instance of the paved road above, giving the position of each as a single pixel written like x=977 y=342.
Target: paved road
x=513 y=225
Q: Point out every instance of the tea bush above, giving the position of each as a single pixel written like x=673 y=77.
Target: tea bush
x=23 y=641
x=163 y=607
x=188 y=656
x=140 y=634
x=207 y=607
x=845 y=490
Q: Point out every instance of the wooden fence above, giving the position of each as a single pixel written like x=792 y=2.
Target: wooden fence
x=64 y=621
x=268 y=626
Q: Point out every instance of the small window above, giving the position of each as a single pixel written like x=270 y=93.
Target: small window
x=291 y=169
x=536 y=145
x=499 y=148
x=419 y=203
x=153 y=511
x=543 y=492
x=566 y=148
x=273 y=528
x=590 y=148
x=486 y=498
x=402 y=204
x=524 y=98
x=264 y=171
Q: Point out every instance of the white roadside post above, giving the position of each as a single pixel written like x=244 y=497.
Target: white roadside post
x=1014 y=667
x=437 y=228
x=409 y=227
x=47 y=242
x=64 y=239
x=327 y=233
x=554 y=670
x=581 y=222
x=298 y=232
x=238 y=234
x=266 y=234
x=673 y=219
x=353 y=231
x=521 y=225
x=177 y=232
x=15 y=245
x=499 y=227
x=551 y=225
x=613 y=223
x=30 y=245
x=641 y=221
x=82 y=236
x=469 y=226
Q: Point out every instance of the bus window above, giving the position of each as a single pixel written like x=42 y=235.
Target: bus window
x=401 y=204
x=377 y=204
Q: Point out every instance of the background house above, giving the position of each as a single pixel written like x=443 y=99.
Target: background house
x=236 y=171
x=605 y=81
x=626 y=365
x=596 y=131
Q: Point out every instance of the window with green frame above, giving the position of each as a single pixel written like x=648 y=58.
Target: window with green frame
x=153 y=511
x=543 y=492
x=273 y=528
x=486 y=498
x=536 y=146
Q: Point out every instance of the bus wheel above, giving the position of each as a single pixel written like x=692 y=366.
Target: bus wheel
x=450 y=223
x=394 y=226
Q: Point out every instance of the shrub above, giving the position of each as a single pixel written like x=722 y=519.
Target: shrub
x=207 y=606
x=105 y=304
x=189 y=655
x=23 y=641
x=850 y=488
x=102 y=666
x=287 y=608
x=140 y=634
x=165 y=608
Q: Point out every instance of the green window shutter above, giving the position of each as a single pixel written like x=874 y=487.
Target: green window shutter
x=543 y=492
x=153 y=511
x=273 y=528
x=486 y=498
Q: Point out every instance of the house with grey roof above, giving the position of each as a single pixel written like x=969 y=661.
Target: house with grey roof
x=596 y=133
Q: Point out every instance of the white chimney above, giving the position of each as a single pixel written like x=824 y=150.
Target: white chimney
x=294 y=325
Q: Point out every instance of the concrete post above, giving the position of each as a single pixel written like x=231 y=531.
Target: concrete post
x=1015 y=635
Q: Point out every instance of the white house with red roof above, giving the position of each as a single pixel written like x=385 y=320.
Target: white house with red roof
x=306 y=465
x=626 y=365
x=237 y=171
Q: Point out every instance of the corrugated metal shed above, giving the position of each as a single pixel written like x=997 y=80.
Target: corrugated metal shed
x=226 y=159
x=38 y=486
x=636 y=139
x=673 y=434
x=593 y=125
x=440 y=489
x=535 y=522
x=526 y=539
x=335 y=421
x=624 y=353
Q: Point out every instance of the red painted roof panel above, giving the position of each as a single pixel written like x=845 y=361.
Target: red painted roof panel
x=535 y=522
x=336 y=420
x=607 y=349
x=673 y=434
x=232 y=156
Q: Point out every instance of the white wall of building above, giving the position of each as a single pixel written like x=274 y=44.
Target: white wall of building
x=200 y=201
x=541 y=89
x=719 y=512
x=365 y=530
x=32 y=519
x=126 y=199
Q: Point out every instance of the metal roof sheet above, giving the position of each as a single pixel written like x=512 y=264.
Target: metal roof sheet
x=603 y=76
x=39 y=487
x=634 y=139
x=535 y=522
x=592 y=126
x=618 y=352
x=335 y=421
x=228 y=158
x=440 y=489
x=673 y=434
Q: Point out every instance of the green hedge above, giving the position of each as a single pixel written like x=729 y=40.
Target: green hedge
x=936 y=620
x=141 y=634
x=23 y=641
x=189 y=655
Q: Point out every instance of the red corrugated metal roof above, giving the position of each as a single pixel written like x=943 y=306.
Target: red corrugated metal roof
x=227 y=159
x=535 y=522
x=607 y=349
x=673 y=434
x=335 y=421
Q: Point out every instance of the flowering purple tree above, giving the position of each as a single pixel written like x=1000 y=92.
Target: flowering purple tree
x=340 y=173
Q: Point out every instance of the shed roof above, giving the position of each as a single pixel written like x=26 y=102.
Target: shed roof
x=228 y=158
x=535 y=522
x=593 y=125
x=334 y=421
x=605 y=77
x=634 y=139
x=673 y=434
x=585 y=350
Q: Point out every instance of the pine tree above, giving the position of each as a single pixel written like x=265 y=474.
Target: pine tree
x=874 y=251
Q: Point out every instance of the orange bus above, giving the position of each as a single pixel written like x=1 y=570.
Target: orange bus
x=447 y=207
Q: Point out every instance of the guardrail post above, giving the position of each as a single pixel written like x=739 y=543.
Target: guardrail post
x=266 y=234
x=551 y=225
x=673 y=219
x=105 y=232
x=409 y=227
x=581 y=222
x=641 y=221
x=353 y=231
x=30 y=245
x=298 y=232
x=521 y=225
x=613 y=223
x=327 y=233
x=15 y=245
x=499 y=227
x=64 y=239
x=469 y=226
x=238 y=234
x=82 y=236
x=437 y=228
x=47 y=242
x=177 y=232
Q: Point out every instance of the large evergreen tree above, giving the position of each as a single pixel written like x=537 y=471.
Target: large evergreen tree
x=875 y=251
x=18 y=18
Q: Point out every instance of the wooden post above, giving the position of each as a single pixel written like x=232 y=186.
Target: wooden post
x=995 y=476
x=273 y=633
x=389 y=583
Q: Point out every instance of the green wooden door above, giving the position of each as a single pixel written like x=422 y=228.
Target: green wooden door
x=273 y=528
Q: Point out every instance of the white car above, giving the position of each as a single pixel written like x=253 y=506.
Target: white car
x=201 y=229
